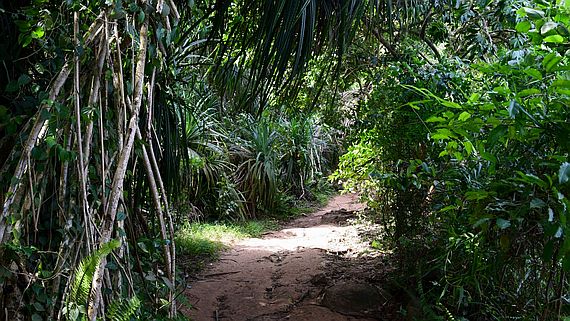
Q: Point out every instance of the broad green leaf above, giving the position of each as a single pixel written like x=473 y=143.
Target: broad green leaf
x=547 y=27
x=503 y=224
x=531 y=13
x=533 y=73
x=450 y=104
x=532 y=179
x=514 y=109
x=23 y=25
x=24 y=80
x=468 y=147
x=477 y=195
x=474 y=97
x=141 y=16
x=38 y=33
x=537 y=203
x=523 y=26
x=551 y=60
x=464 y=116
x=448 y=114
x=50 y=141
x=553 y=39
x=443 y=133
x=489 y=157
x=562 y=83
x=528 y=92
x=436 y=119
x=563 y=30
x=502 y=90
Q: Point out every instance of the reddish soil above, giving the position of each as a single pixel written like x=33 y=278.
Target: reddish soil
x=316 y=267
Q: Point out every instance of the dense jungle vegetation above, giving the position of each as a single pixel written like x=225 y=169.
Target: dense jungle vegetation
x=122 y=121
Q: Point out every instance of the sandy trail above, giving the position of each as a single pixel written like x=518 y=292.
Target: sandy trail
x=285 y=274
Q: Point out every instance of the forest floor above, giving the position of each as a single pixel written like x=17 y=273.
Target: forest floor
x=317 y=267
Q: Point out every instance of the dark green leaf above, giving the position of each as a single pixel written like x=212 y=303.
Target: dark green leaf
x=503 y=224
x=121 y=216
x=537 y=203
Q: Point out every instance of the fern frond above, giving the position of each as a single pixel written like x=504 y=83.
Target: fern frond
x=123 y=310
x=85 y=271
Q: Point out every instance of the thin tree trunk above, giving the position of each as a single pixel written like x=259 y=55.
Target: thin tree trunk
x=119 y=175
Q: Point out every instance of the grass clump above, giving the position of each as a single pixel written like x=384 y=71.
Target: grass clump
x=209 y=239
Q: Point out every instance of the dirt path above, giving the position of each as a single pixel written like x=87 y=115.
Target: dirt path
x=315 y=268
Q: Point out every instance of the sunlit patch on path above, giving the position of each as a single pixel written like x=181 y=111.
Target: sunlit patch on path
x=283 y=275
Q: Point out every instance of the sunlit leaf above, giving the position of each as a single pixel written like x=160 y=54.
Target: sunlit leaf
x=523 y=26
x=553 y=39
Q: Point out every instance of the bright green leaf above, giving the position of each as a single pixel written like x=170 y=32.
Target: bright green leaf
x=528 y=92
x=531 y=13
x=38 y=33
x=561 y=83
x=443 y=133
x=523 y=26
x=450 y=104
x=551 y=61
x=533 y=73
x=553 y=39
x=464 y=116
x=435 y=119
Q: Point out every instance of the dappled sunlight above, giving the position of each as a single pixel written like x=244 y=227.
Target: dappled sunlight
x=324 y=237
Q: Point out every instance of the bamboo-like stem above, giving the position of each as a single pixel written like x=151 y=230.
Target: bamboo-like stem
x=164 y=198
x=120 y=171
x=167 y=241
x=78 y=129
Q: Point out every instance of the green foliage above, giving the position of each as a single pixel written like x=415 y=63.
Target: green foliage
x=78 y=299
x=84 y=273
x=468 y=162
x=303 y=149
x=501 y=196
x=123 y=310
x=257 y=171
